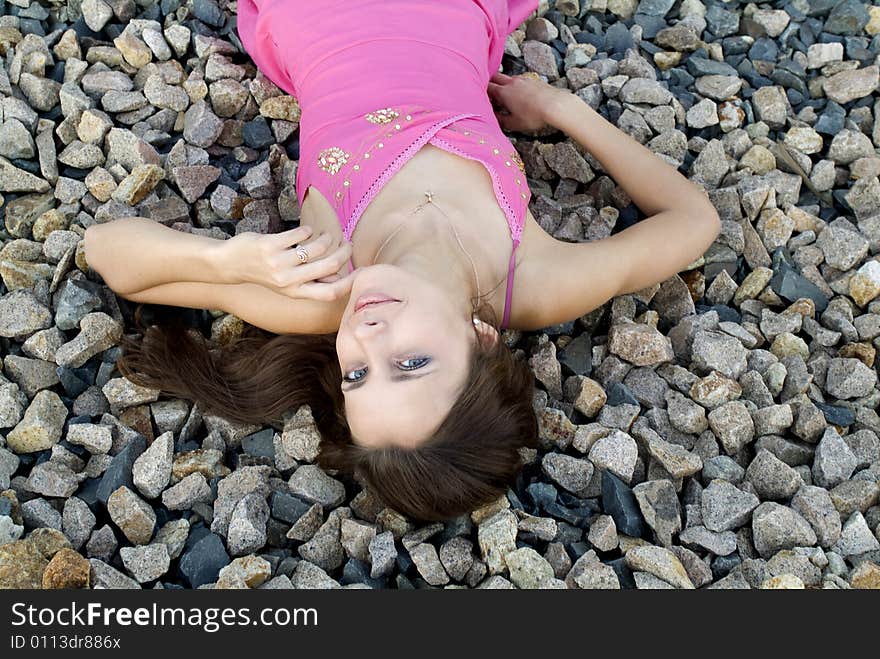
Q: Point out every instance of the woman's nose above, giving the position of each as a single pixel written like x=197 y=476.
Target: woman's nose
x=367 y=328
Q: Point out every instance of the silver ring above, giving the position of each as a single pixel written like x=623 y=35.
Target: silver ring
x=302 y=254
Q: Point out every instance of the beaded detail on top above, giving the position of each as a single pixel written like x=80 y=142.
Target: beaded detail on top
x=332 y=159
x=383 y=116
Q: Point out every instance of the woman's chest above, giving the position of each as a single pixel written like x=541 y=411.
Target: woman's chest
x=451 y=180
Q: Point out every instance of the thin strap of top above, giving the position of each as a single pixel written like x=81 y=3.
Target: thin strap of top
x=507 y=297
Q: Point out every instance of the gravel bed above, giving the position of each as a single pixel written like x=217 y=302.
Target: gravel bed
x=716 y=430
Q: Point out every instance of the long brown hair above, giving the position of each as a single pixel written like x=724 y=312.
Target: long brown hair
x=471 y=459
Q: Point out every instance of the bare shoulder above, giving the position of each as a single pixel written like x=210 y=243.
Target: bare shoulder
x=557 y=281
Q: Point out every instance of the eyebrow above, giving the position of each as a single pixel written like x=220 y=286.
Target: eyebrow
x=394 y=378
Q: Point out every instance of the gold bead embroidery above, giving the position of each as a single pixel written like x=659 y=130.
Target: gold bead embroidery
x=467 y=132
x=495 y=151
x=514 y=155
x=381 y=145
x=523 y=194
x=366 y=155
x=409 y=117
x=357 y=167
x=507 y=162
x=330 y=160
x=482 y=141
x=339 y=195
x=346 y=183
x=383 y=116
x=518 y=181
x=397 y=126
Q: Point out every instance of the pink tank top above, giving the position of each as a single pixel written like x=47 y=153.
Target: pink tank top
x=376 y=80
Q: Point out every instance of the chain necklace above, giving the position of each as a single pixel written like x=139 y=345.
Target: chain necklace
x=430 y=200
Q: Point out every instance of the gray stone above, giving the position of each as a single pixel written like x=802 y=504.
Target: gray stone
x=771 y=478
x=151 y=472
x=311 y=483
x=725 y=507
x=616 y=452
x=834 y=462
x=147 y=562
x=659 y=505
x=776 y=527
x=247 y=526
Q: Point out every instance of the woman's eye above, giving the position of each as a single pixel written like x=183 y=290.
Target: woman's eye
x=406 y=365
x=348 y=379
x=420 y=361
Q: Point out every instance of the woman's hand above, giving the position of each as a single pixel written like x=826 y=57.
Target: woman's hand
x=271 y=260
x=524 y=102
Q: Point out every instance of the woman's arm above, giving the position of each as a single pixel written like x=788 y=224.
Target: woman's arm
x=252 y=303
x=682 y=222
x=135 y=253
x=578 y=277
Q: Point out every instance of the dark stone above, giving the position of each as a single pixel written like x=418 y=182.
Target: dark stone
x=404 y=562
x=618 y=39
x=701 y=66
x=5 y=507
x=79 y=451
x=88 y=492
x=257 y=134
x=724 y=312
x=119 y=471
x=624 y=574
x=655 y=7
x=721 y=22
x=788 y=80
x=620 y=503
x=31 y=26
x=356 y=571
x=73 y=382
x=839 y=416
x=584 y=37
x=559 y=328
x=764 y=48
x=722 y=565
x=832 y=120
x=568 y=534
x=287 y=507
x=196 y=532
x=650 y=25
x=202 y=562
x=260 y=443
x=575 y=515
x=402 y=583
x=790 y=285
x=577 y=356
x=208 y=12
x=543 y=494
x=169 y=6
x=618 y=394
x=736 y=45
x=276 y=533
x=514 y=501
x=847 y=17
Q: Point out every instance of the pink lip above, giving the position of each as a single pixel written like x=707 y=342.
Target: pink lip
x=371 y=300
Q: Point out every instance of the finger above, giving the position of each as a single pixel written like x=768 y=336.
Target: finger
x=314 y=249
x=325 y=266
x=293 y=236
x=327 y=291
x=503 y=120
x=501 y=78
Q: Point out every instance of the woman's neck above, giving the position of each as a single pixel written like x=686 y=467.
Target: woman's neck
x=424 y=243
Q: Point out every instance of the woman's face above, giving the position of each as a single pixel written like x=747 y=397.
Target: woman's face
x=403 y=363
